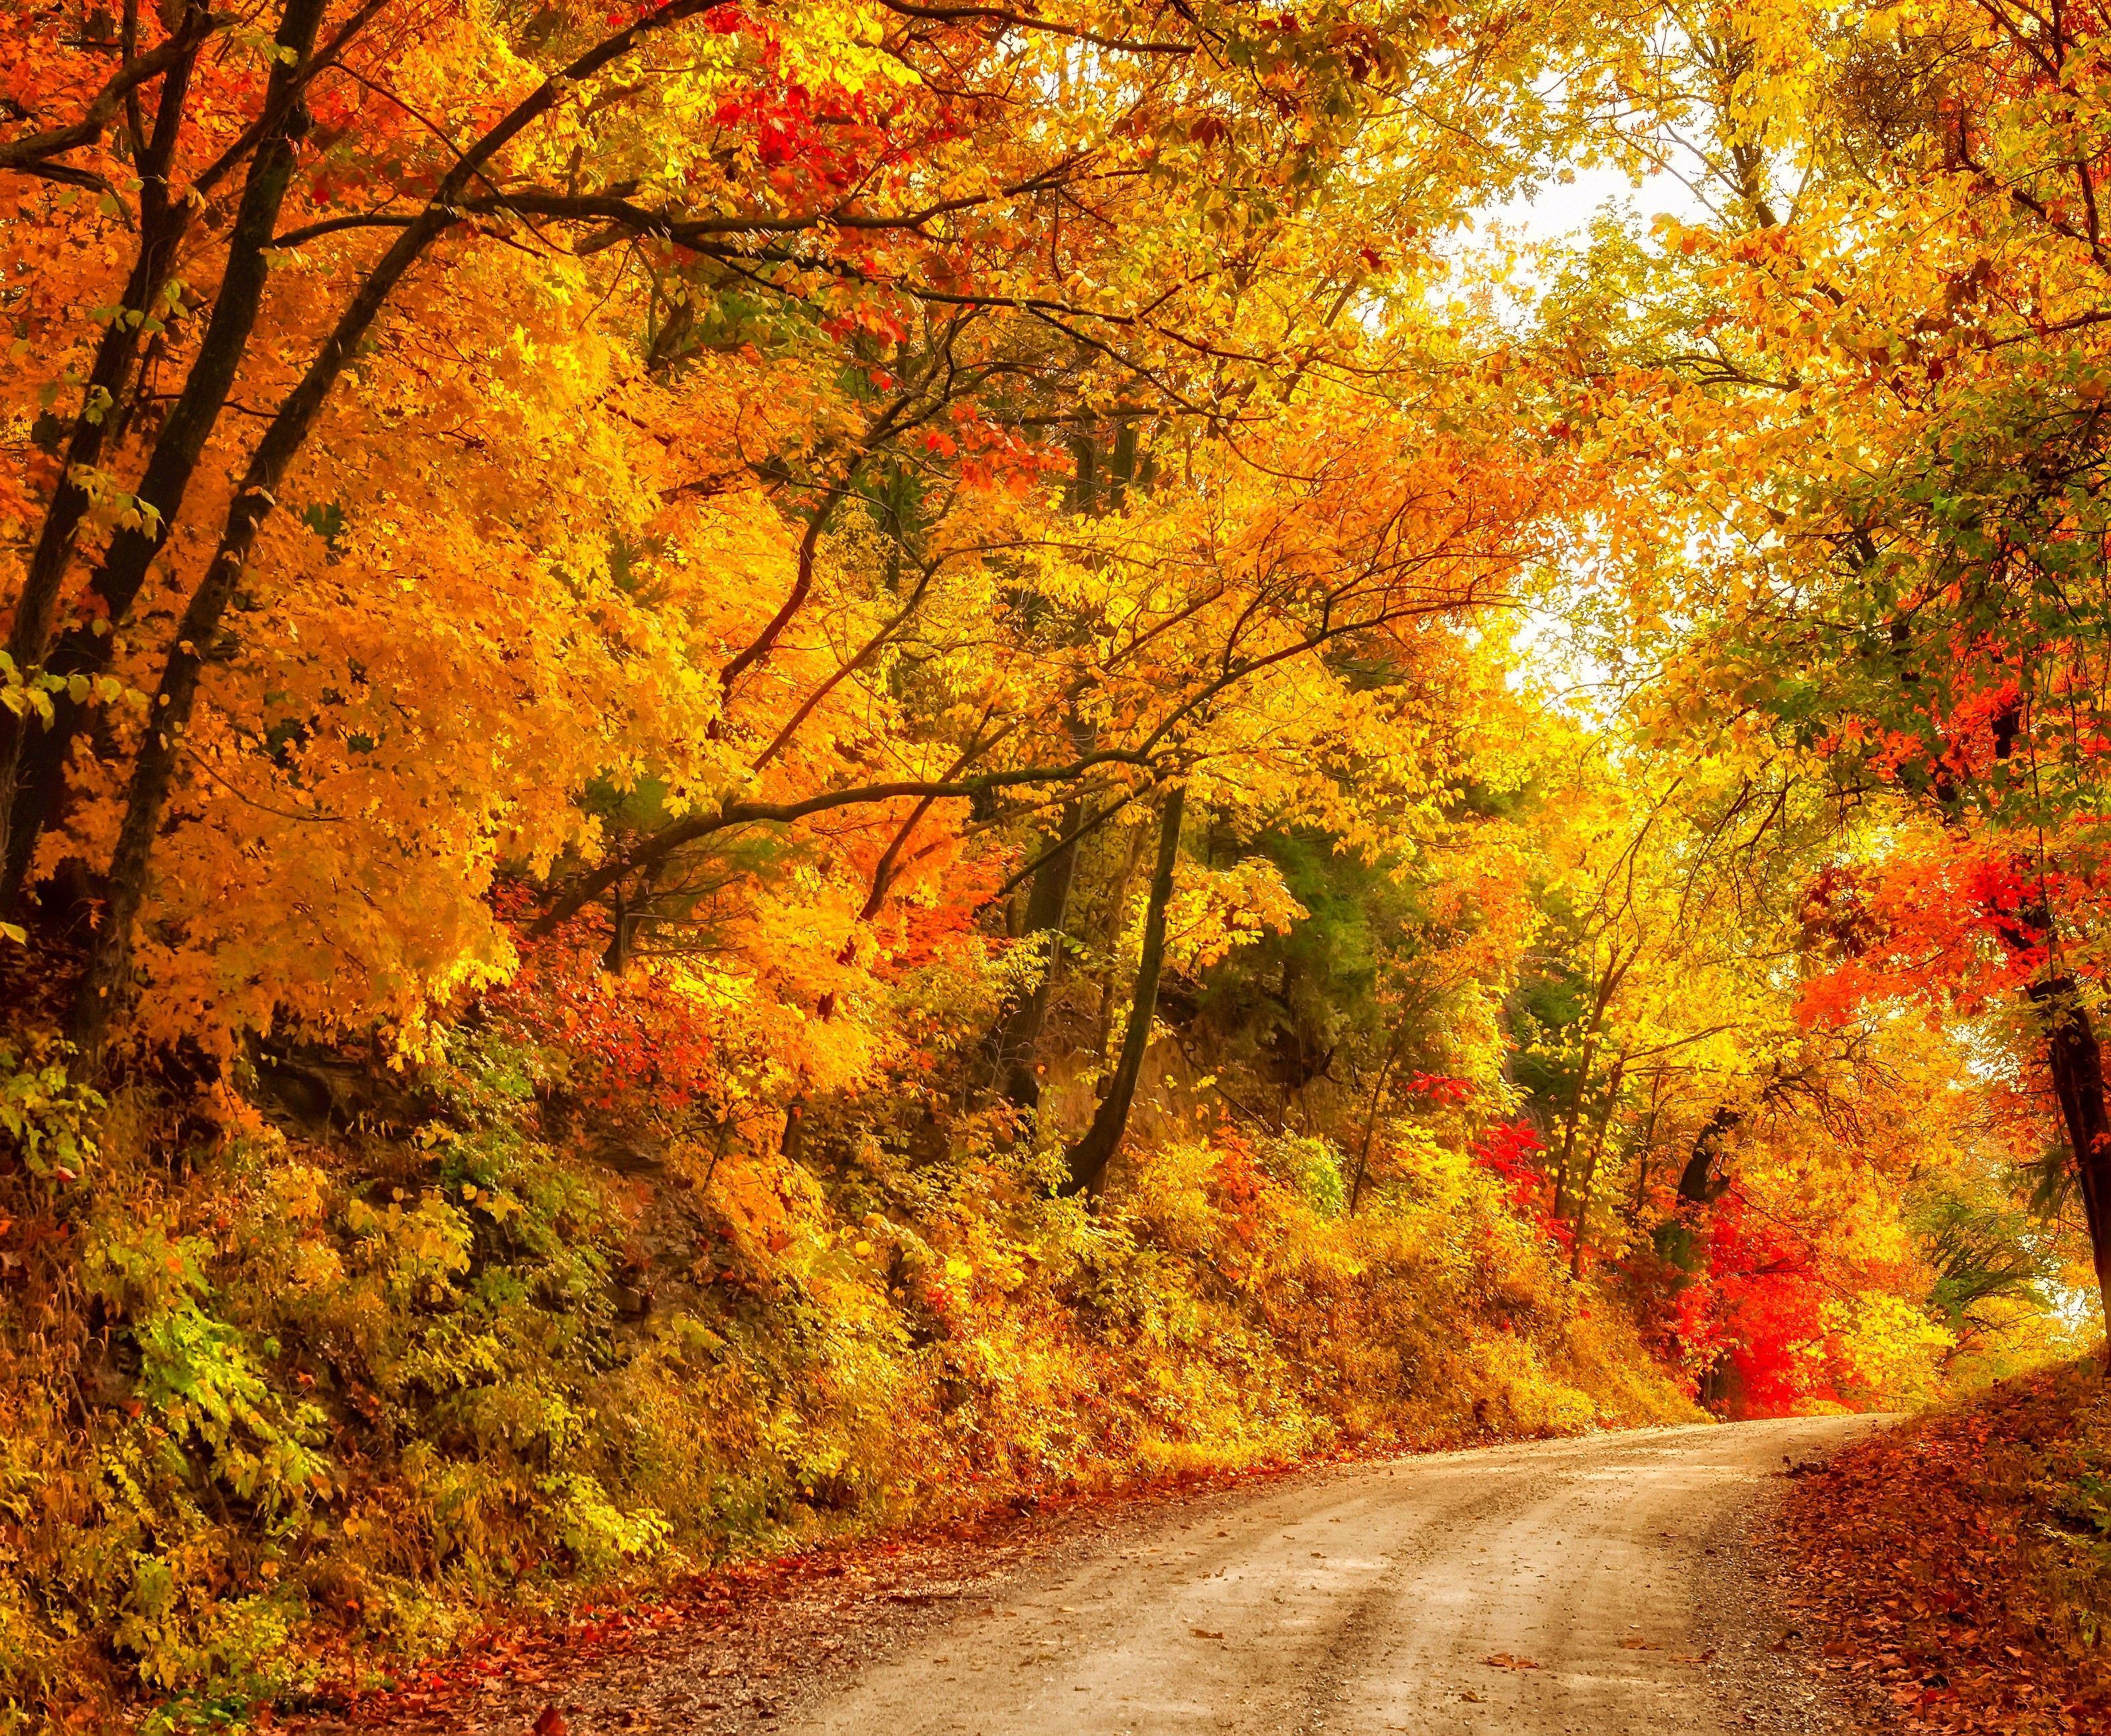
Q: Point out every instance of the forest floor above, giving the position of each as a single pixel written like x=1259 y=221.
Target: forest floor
x=1954 y=1573
x=1593 y=1587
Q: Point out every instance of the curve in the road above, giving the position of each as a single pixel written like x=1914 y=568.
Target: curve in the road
x=1559 y=1588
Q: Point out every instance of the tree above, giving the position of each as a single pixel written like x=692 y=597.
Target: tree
x=1087 y=1159
x=856 y=277
x=1882 y=394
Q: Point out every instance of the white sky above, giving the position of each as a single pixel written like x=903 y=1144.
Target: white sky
x=1566 y=209
x=1547 y=655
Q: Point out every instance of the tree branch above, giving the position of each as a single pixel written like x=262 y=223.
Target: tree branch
x=23 y=155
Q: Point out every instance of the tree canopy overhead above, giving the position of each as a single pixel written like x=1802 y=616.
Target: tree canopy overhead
x=939 y=746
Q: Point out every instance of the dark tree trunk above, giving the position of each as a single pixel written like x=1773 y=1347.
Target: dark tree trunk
x=616 y=958
x=1698 y=1183
x=162 y=227
x=1371 y=1120
x=1121 y=469
x=2076 y=1062
x=1089 y=1157
x=1017 y=1040
x=180 y=446
x=1588 y=1187
x=104 y=983
x=169 y=471
x=1083 y=494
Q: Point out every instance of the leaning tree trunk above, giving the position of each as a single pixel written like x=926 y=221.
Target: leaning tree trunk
x=1371 y=1120
x=2076 y=1062
x=36 y=763
x=1089 y=1157
x=198 y=633
x=1589 y=1184
x=1017 y=1039
x=161 y=224
x=1698 y=1183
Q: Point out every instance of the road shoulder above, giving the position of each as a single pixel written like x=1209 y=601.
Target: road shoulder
x=1954 y=1575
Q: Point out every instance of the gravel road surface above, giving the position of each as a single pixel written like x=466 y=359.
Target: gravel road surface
x=1596 y=1587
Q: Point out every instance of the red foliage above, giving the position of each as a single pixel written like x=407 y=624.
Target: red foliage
x=1438 y=1090
x=1764 y=1302
x=1511 y=1150
x=1921 y=1555
x=628 y=1033
x=1919 y=930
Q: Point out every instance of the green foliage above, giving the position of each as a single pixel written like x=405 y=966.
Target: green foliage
x=350 y=1393
x=1310 y=1170
x=1987 y=1255
x=44 y=1115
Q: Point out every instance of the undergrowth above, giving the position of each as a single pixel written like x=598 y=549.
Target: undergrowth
x=283 y=1404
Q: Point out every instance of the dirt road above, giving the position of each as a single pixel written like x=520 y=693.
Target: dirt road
x=1601 y=1586
x=1588 y=1587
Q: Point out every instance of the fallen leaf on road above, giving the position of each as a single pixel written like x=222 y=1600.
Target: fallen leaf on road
x=1504 y=1660
x=550 y=1722
x=1207 y=1634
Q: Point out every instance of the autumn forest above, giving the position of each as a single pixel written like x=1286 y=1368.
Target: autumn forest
x=770 y=769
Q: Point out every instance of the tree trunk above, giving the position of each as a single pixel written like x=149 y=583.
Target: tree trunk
x=2076 y=1062
x=1371 y=1121
x=1698 y=1183
x=1585 y=1193
x=1565 y=1200
x=178 y=449
x=1677 y=1240
x=175 y=459
x=1089 y=1157
x=36 y=609
x=1017 y=1039
x=104 y=983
